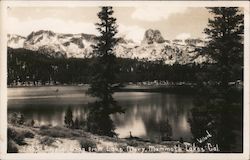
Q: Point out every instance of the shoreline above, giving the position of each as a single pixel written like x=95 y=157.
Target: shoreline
x=180 y=89
x=48 y=139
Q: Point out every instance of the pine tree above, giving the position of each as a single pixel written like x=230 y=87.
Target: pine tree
x=68 y=119
x=218 y=107
x=104 y=70
x=225 y=43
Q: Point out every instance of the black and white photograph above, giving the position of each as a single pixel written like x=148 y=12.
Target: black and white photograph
x=110 y=78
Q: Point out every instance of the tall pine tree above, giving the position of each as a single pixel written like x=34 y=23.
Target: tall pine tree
x=225 y=43
x=102 y=84
x=218 y=107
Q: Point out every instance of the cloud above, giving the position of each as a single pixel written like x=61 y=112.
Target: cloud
x=183 y=36
x=24 y=28
x=153 y=14
x=133 y=32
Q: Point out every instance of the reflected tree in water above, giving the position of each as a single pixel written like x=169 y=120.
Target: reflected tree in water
x=218 y=105
x=68 y=119
x=99 y=120
x=165 y=130
x=77 y=123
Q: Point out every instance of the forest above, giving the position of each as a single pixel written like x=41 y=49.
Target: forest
x=32 y=67
x=218 y=102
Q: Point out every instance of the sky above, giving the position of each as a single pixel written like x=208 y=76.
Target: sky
x=172 y=22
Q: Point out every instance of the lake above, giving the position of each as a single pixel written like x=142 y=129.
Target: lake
x=144 y=111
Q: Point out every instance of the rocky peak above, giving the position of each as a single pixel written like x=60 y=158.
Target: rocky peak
x=152 y=36
x=15 y=41
x=79 y=46
x=40 y=32
x=89 y=37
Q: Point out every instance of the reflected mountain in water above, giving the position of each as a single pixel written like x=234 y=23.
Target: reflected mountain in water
x=144 y=112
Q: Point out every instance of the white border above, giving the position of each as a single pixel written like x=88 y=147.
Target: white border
x=146 y=156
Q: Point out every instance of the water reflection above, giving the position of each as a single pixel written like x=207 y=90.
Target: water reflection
x=143 y=116
x=144 y=113
x=99 y=121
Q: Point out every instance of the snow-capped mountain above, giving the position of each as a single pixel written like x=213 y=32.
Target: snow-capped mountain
x=153 y=46
x=63 y=45
x=15 y=41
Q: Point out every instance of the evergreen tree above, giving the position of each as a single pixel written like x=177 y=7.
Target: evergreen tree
x=225 y=43
x=68 y=119
x=102 y=84
x=219 y=106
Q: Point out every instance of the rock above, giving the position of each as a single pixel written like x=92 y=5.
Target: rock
x=152 y=36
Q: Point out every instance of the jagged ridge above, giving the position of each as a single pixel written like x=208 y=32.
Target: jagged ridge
x=153 y=46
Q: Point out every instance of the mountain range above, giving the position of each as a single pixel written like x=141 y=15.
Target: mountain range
x=152 y=48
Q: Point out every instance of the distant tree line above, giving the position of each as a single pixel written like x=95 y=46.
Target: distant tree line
x=33 y=67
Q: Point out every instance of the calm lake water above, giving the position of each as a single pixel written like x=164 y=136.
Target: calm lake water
x=144 y=111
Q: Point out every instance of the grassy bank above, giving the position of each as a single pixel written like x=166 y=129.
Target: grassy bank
x=47 y=139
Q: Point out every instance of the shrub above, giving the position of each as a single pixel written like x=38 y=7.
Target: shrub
x=16 y=118
x=123 y=147
x=133 y=143
x=44 y=127
x=30 y=123
x=12 y=146
x=15 y=136
x=28 y=134
x=57 y=132
x=18 y=135
x=48 y=141
x=85 y=143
